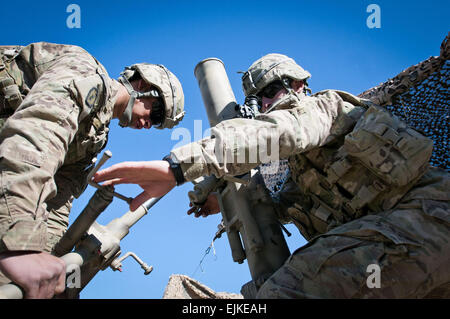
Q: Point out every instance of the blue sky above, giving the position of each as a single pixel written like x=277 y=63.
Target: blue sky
x=328 y=38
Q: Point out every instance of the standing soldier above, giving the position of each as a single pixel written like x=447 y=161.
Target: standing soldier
x=56 y=103
x=364 y=192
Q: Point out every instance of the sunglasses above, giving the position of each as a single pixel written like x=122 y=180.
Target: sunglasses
x=273 y=88
x=157 y=114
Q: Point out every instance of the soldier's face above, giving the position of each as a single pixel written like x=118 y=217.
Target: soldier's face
x=267 y=102
x=141 y=113
x=143 y=107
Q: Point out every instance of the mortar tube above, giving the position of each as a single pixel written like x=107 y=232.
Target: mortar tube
x=216 y=91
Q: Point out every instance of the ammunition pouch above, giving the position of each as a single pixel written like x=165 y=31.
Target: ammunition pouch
x=398 y=155
x=10 y=96
x=377 y=164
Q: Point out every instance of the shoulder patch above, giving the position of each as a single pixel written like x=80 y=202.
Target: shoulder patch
x=89 y=93
x=91 y=97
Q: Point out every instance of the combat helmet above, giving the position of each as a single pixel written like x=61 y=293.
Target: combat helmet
x=168 y=88
x=270 y=68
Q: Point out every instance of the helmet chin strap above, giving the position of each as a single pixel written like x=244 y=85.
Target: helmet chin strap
x=125 y=118
x=282 y=103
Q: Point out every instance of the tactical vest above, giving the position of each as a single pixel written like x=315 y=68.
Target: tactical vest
x=367 y=170
x=92 y=134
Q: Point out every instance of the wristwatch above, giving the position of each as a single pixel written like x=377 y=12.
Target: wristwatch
x=176 y=169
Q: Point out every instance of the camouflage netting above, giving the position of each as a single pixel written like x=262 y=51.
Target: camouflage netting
x=419 y=96
x=184 y=287
x=274 y=175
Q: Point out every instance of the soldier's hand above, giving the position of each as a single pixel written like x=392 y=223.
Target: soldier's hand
x=155 y=178
x=210 y=207
x=40 y=274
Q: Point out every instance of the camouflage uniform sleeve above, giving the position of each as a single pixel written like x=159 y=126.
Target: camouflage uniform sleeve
x=33 y=145
x=238 y=145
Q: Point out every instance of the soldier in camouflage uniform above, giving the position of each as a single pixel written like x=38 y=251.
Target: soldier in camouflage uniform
x=361 y=189
x=56 y=104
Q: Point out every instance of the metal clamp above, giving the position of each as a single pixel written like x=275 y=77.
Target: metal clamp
x=106 y=156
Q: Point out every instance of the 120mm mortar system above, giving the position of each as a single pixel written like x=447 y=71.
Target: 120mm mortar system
x=244 y=216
